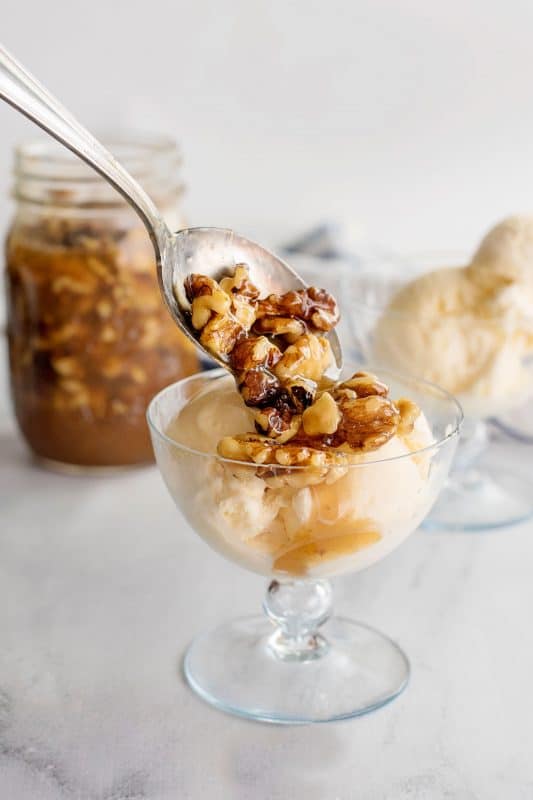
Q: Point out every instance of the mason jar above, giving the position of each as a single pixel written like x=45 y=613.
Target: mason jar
x=90 y=340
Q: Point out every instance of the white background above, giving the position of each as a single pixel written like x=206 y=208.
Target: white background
x=411 y=120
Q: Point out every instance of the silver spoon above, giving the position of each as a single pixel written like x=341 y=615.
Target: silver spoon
x=209 y=251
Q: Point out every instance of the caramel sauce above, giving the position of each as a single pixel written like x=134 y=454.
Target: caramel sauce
x=90 y=342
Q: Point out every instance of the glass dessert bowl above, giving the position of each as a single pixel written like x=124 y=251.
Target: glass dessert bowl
x=298 y=525
x=469 y=329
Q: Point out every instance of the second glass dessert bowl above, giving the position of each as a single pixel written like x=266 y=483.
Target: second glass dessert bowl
x=298 y=526
x=413 y=314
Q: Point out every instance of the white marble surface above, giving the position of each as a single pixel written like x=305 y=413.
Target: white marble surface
x=101 y=588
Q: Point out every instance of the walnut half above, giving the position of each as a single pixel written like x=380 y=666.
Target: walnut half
x=206 y=297
x=366 y=422
x=409 y=413
x=362 y=384
x=308 y=358
x=253 y=352
x=315 y=306
x=220 y=335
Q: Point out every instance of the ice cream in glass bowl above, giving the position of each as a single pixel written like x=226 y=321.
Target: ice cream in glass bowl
x=466 y=324
x=299 y=475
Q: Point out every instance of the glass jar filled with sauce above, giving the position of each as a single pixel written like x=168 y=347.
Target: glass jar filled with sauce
x=90 y=340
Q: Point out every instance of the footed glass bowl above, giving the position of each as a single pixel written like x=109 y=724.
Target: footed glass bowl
x=298 y=526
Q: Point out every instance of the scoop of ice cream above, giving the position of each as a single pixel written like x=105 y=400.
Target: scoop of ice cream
x=502 y=268
x=301 y=522
x=505 y=255
x=442 y=291
x=438 y=328
x=202 y=424
x=470 y=328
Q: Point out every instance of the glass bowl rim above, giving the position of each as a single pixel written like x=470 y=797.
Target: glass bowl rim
x=214 y=374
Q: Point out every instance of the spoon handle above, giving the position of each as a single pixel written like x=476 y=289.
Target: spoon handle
x=21 y=90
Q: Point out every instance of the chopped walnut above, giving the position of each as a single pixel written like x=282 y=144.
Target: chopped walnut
x=262 y=450
x=104 y=309
x=239 y=283
x=198 y=285
x=243 y=309
x=108 y=334
x=250 y=353
x=288 y=327
x=67 y=366
x=66 y=283
x=258 y=388
x=409 y=413
x=366 y=423
x=362 y=384
x=206 y=297
x=315 y=306
x=309 y=357
x=279 y=422
x=322 y=417
x=301 y=392
x=221 y=316
x=220 y=335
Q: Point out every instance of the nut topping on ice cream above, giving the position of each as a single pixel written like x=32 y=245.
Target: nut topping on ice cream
x=275 y=345
x=261 y=450
x=312 y=305
x=279 y=358
x=262 y=509
x=304 y=506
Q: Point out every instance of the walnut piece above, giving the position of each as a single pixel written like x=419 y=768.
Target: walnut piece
x=288 y=327
x=220 y=335
x=240 y=283
x=258 y=387
x=206 y=297
x=250 y=353
x=366 y=422
x=322 y=417
x=362 y=384
x=243 y=309
x=301 y=392
x=309 y=357
x=279 y=422
x=409 y=413
x=263 y=450
x=315 y=306
x=67 y=366
x=198 y=285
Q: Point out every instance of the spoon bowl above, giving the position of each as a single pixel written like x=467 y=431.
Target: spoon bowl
x=209 y=251
x=215 y=252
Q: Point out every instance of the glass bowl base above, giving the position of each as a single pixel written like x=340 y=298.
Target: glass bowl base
x=234 y=668
x=485 y=499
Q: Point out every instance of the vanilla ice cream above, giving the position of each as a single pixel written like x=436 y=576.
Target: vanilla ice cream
x=300 y=522
x=505 y=255
x=469 y=329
